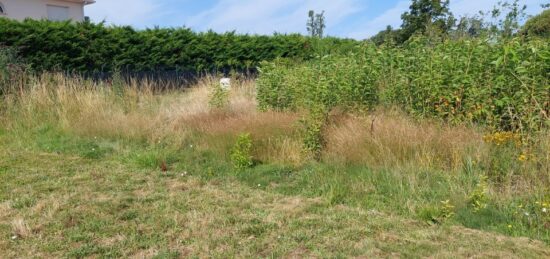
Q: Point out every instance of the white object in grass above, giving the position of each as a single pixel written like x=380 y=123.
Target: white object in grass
x=225 y=83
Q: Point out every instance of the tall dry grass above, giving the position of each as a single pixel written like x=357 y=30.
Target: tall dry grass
x=138 y=113
x=135 y=112
x=389 y=138
x=86 y=108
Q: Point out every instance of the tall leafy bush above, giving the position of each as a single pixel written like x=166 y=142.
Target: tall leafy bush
x=504 y=85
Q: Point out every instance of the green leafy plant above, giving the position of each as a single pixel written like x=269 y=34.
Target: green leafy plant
x=241 y=153
x=219 y=97
x=447 y=209
x=478 y=198
x=313 y=132
x=438 y=214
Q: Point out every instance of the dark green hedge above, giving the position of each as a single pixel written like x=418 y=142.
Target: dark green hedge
x=91 y=48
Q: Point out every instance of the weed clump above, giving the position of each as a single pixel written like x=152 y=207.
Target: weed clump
x=313 y=132
x=219 y=97
x=478 y=198
x=440 y=214
x=241 y=153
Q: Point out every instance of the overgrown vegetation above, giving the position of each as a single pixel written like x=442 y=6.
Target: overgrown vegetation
x=503 y=86
x=382 y=161
x=424 y=139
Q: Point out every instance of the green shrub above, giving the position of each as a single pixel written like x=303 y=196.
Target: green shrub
x=328 y=81
x=219 y=97
x=275 y=91
x=502 y=85
x=241 y=153
x=88 y=47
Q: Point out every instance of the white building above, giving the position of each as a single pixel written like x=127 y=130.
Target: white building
x=55 y=10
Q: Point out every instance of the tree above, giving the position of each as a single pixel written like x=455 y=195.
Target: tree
x=426 y=16
x=509 y=16
x=387 y=36
x=469 y=26
x=316 y=24
x=538 y=26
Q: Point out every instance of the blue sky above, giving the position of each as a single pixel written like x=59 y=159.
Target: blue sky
x=345 y=18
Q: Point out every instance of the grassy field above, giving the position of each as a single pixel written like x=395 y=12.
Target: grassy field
x=123 y=171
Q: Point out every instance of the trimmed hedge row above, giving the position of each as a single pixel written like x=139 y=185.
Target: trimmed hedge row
x=91 y=48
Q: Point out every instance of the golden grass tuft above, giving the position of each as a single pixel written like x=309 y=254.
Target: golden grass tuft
x=20 y=228
x=390 y=139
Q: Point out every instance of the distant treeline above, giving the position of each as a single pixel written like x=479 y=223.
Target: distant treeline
x=96 y=48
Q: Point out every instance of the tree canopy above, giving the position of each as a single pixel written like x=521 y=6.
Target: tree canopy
x=538 y=26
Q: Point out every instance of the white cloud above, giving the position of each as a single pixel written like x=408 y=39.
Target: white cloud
x=138 y=13
x=390 y=17
x=268 y=16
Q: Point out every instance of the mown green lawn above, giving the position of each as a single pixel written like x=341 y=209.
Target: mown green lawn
x=62 y=197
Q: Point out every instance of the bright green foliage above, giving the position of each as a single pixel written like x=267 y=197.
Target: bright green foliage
x=502 y=85
x=319 y=86
x=327 y=81
x=241 y=153
x=276 y=89
x=447 y=210
x=88 y=47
